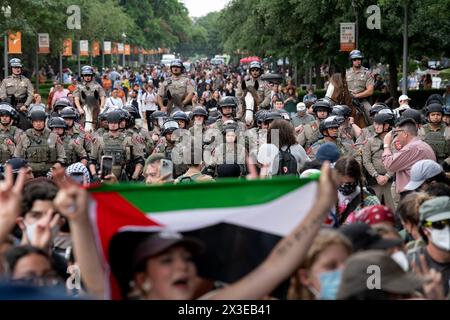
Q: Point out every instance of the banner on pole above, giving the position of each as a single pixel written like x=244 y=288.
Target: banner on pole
x=44 y=43
x=348 y=37
x=95 y=48
x=127 y=50
x=107 y=47
x=15 y=43
x=84 y=48
x=67 y=48
x=120 y=48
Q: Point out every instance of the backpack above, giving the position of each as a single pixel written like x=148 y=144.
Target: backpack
x=287 y=164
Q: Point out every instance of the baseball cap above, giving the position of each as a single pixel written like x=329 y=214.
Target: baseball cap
x=403 y=97
x=301 y=106
x=328 y=151
x=309 y=172
x=17 y=164
x=393 y=278
x=160 y=242
x=363 y=237
x=421 y=171
x=435 y=209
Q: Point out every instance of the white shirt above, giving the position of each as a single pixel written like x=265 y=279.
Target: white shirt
x=148 y=101
x=113 y=103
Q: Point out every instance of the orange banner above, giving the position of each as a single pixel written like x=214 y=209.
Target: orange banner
x=15 y=43
x=95 y=48
x=127 y=50
x=135 y=50
x=44 y=43
x=67 y=47
x=114 y=48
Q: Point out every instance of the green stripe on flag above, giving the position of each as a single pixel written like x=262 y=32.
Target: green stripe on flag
x=221 y=194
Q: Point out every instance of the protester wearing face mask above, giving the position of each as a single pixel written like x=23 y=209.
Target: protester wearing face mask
x=39 y=220
x=319 y=275
x=435 y=228
x=352 y=195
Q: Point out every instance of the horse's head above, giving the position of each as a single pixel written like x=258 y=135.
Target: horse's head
x=251 y=101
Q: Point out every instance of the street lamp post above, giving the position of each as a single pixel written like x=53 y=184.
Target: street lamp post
x=7 y=13
x=405 y=50
x=124 y=36
x=354 y=5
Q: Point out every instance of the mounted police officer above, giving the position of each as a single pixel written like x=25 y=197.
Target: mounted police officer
x=89 y=98
x=120 y=147
x=433 y=132
x=263 y=87
x=9 y=133
x=329 y=128
x=39 y=146
x=360 y=81
x=18 y=91
x=178 y=89
x=73 y=147
x=310 y=133
x=377 y=176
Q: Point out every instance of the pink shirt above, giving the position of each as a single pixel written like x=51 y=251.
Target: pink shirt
x=59 y=94
x=402 y=161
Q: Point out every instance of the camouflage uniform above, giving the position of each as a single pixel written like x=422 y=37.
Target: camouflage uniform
x=347 y=133
x=371 y=158
x=77 y=133
x=40 y=149
x=166 y=148
x=8 y=141
x=74 y=149
x=309 y=135
x=121 y=148
x=357 y=82
x=193 y=175
x=179 y=88
x=437 y=140
x=344 y=148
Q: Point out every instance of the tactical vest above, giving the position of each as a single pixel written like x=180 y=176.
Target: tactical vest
x=41 y=152
x=71 y=155
x=437 y=142
x=114 y=148
x=5 y=154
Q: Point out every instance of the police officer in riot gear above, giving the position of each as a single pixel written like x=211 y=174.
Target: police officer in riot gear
x=39 y=146
x=9 y=133
x=120 y=147
x=433 y=132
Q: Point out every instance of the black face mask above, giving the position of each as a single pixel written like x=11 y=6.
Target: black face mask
x=347 y=188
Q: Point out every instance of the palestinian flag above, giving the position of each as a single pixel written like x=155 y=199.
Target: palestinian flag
x=239 y=221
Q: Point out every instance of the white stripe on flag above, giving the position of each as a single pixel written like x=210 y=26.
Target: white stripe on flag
x=277 y=217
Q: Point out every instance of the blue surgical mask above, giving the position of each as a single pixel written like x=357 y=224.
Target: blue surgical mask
x=329 y=284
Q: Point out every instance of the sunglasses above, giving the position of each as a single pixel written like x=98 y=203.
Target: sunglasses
x=357 y=59
x=437 y=224
x=253 y=70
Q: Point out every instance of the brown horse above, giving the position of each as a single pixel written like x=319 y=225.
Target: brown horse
x=338 y=93
x=250 y=106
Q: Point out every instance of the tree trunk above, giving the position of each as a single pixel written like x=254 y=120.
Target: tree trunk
x=319 y=82
x=393 y=80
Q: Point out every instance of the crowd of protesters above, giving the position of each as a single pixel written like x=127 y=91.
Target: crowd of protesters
x=383 y=196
